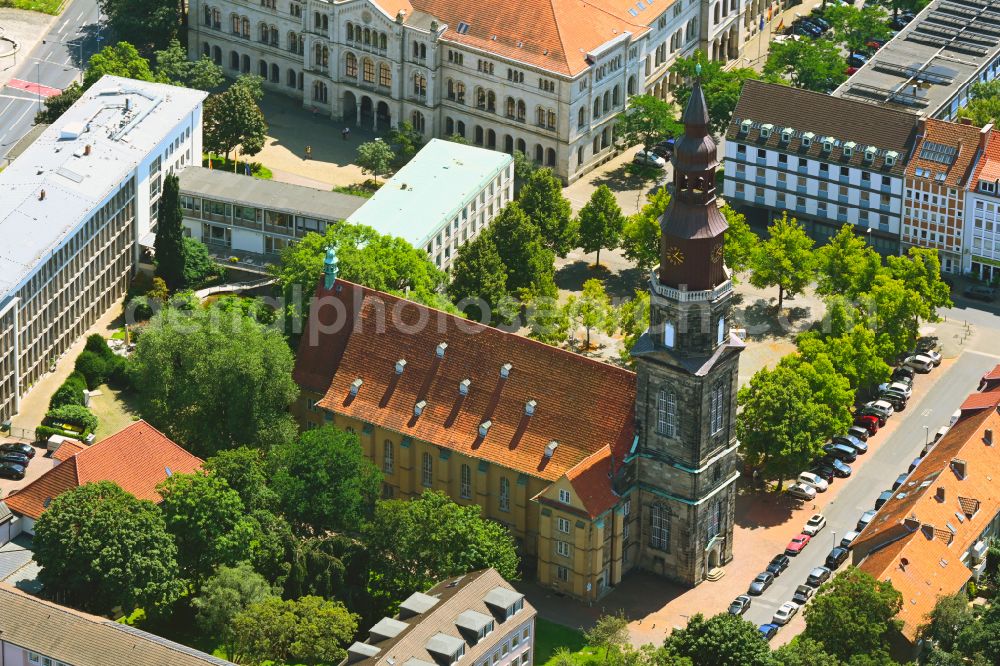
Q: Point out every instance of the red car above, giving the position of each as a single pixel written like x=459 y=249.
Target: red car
x=797 y=543
x=868 y=422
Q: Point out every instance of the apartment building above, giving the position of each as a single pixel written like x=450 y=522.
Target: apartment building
x=827 y=161
x=931 y=537
x=255 y=219
x=545 y=79
x=74 y=209
x=477 y=619
x=446 y=195
x=981 y=255
x=35 y=632
x=937 y=176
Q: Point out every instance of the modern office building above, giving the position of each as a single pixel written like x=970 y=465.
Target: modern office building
x=981 y=254
x=240 y=216
x=827 y=161
x=931 y=64
x=477 y=619
x=547 y=78
x=444 y=196
x=73 y=210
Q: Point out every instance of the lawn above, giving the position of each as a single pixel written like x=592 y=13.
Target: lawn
x=365 y=189
x=112 y=411
x=44 y=6
x=550 y=636
x=257 y=169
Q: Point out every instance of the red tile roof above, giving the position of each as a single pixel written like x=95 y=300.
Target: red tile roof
x=992 y=375
x=988 y=167
x=584 y=405
x=136 y=458
x=67 y=450
x=978 y=401
x=917 y=539
x=963 y=138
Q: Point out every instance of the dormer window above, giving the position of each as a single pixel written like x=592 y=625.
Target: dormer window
x=827 y=144
x=786 y=135
x=564 y=496
x=987 y=187
x=807 y=139
x=745 y=126
x=849 y=148
x=870 y=153
x=765 y=130
x=891 y=157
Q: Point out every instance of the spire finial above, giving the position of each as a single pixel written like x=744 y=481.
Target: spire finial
x=330 y=267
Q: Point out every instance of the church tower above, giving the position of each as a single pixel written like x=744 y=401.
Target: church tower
x=687 y=375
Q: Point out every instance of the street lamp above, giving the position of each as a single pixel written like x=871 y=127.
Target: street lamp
x=927 y=431
x=834 y=538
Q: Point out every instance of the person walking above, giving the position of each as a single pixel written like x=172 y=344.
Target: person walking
x=345 y=133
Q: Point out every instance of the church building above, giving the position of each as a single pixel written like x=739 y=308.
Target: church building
x=595 y=470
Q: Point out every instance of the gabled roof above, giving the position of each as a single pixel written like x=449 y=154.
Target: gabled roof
x=988 y=167
x=80 y=639
x=585 y=405
x=555 y=35
x=917 y=539
x=68 y=449
x=961 y=146
x=137 y=459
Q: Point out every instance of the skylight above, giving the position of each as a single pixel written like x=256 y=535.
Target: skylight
x=462 y=28
x=633 y=12
x=937 y=152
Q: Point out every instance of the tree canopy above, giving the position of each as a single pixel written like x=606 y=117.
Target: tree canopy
x=984 y=103
x=100 y=548
x=720 y=86
x=173 y=66
x=374 y=157
x=530 y=263
x=169 y=245
x=784 y=260
x=854 y=27
x=740 y=242
x=121 y=59
x=245 y=470
x=601 y=222
x=721 y=640
x=309 y=630
x=640 y=237
x=149 y=24
x=646 y=121
x=479 y=280
x=230 y=591
x=846 y=264
x=232 y=119
x=542 y=200
x=813 y=64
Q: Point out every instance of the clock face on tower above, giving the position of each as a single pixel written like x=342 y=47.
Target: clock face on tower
x=674 y=255
x=717 y=253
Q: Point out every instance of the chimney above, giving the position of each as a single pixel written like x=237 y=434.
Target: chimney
x=988 y=437
x=529 y=408
x=928 y=530
x=41 y=195
x=960 y=467
x=505 y=370
x=356 y=386
x=440 y=349
x=550 y=448
x=86 y=149
x=939 y=495
x=400 y=366
x=484 y=428
x=984 y=135
x=418 y=408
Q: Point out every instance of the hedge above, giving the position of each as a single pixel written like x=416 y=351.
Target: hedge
x=43 y=432
x=71 y=391
x=73 y=415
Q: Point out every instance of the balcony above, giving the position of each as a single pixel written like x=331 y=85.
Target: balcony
x=215 y=217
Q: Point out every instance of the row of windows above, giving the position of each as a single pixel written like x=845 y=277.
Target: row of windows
x=666 y=410
x=368 y=69
x=367 y=37
x=825 y=170
x=505 y=648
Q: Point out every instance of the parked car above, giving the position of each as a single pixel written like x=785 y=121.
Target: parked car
x=863 y=521
x=761 y=583
x=17 y=447
x=836 y=557
x=840 y=468
x=980 y=293
x=899 y=22
x=931 y=354
x=11 y=471
x=875 y=44
x=848 y=539
x=913 y=464
x=810 y=479
x=880 y=407
x=814 y=17
x=856 y=60
x=802 y=491
x=797 y=543
x=778 y=564
x=785 y=613
x=841 y=451
x=803 y=30
x=803 y=593
x=664 y=148
x=740 y=605
x=902 y=374
x=818 y=576
x=823 y=472
x=768 y=631
x=814 y=525
x=859 y=432
x=883 y=497
x=869 y=423
x=900 y=480
x=851 y=441
x=811 y=28
x=22 y=460
x=906 y=388
x=649 y=159
x=920 y=363
x=894 y=398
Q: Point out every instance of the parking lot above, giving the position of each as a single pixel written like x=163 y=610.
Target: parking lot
x=935 y=397
x=38 y=466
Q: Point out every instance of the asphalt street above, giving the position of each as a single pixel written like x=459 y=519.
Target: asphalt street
x=55 y=62
x=879 y=469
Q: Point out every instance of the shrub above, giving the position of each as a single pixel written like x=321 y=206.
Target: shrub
x=71 y=391
x=94 y=367
x=73 y=415
x=97 y=344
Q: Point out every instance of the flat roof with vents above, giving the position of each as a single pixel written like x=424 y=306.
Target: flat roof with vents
x=926 y=64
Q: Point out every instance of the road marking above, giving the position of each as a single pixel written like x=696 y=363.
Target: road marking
x=926 y=412
x=32 y=87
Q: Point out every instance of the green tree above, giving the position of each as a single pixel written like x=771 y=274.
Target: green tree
x=784 y=260
x=524 y=166
x=920 y=271
x=853 y=614
x=830 y=389
x=542 y=200
x=980 y=640
x=804 y=652
x=205 y=517
x=70 y=392
x=720 y=86
x=173 y=66
x=855 y=354
x=120 y=59
x=169 y=248
x=198 y=263
x=309 y=630
x=229 y=591
x=245 y=470
x=100 y=548
x=854 y=27
x=816 y=64
x=640 y=238
x=405 y=142
x=547 y=321
x=374 y=157
x=414 y=543
x=213 y=380
x=646 y=121
x=720 y=640
x=149 y=24
x=846 y=265
x=950 y=616
x=479 y=279
x=593 y=310
x=610 y=632
x=633 y=320
x=522 y=249
x=232 y=119
x=894 y=314
x=740 y=240
x=983 y=107
x=601 y=222
x=324 y=481
x=57 y=105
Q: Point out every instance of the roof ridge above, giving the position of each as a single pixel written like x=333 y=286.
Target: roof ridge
x=843 y=100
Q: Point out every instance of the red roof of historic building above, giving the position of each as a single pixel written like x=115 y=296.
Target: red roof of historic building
x=137 y=459
x=584 y=406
